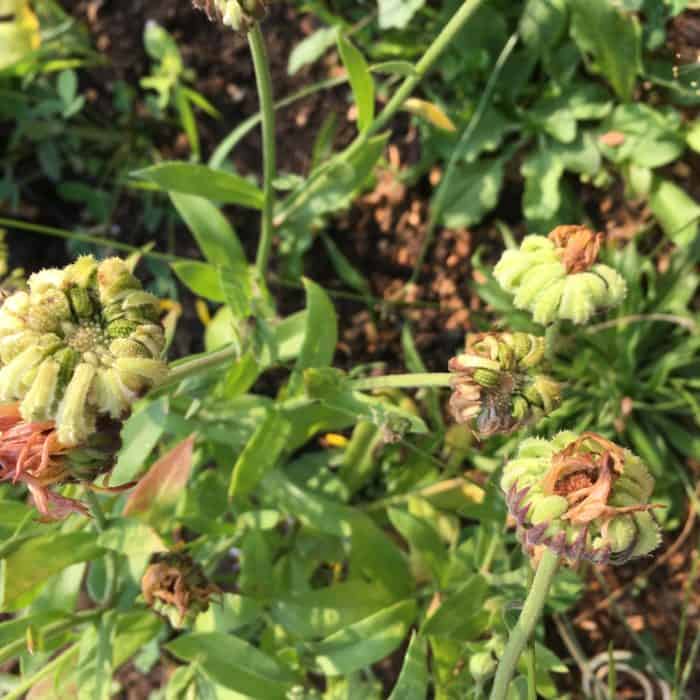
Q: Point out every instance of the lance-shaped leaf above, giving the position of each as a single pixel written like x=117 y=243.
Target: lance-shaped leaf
x=162 y=485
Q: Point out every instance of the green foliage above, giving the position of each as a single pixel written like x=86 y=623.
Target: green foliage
x=351 y=531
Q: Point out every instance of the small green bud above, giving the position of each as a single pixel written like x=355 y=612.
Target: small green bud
x=121 y=329
x=80 y=274
x=75 y=421
x=486 y=377
x=80 y=302
x=482 y=665
x=40 y=400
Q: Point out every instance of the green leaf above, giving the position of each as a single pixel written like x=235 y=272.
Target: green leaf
x=140 y=435
x=321 y=330
x=677 y=213
x=613 y=39
x=202 y=181
x=652 y=138
x=329 y=194
x=423 y=539
x=214 y=235
x=373 y=554
x=234 y=664
x=235 y=282
x=361 y=81
x=31 y=562
x=543 y=23
x=201 y=278
x=323 y=611
x=260 y=455
x=163 y=484
x=554 y=116
x=365 y=642
x=472 y=192
x=413 y=679
x=311 y=48
x=542 y=197
x=396 y=14
x=344 y=268
x=458 y=616
x=94 y=675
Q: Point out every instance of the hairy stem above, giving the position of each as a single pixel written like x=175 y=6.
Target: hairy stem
x=267 y=110
x=111 y=557
x=185 y=368
x=531 y=612
x=402 y=381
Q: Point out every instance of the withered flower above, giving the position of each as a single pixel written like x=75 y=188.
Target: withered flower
x=32 y=454
x=500 y=382
x=557 y=277
x=583 y=497
x=239 y=15
x=175 y=586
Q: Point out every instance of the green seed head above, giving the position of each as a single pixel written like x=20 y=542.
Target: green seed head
x=556 y=278
x=64 y=359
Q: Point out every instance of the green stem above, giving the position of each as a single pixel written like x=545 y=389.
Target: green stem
x=28 y=683
x=185 y=368
x=48 y=633
x=441 y=42
x=111 y=557
x=530 y=658
x=267 y=109
x=531 y=612
x=402 y=381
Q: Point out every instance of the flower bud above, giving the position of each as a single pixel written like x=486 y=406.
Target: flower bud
x=500 y=382
x=557 y=277
x=175 y=586
x=582 y=497
x=83 y=342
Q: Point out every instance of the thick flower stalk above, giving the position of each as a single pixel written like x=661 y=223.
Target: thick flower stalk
x=582 y=497
x=79 y=347
x=32 y=454
x=557 y=277
x=237 y=14
x=175 y=586
x=500 y=382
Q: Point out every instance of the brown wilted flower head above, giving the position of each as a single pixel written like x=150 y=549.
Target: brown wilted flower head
x=500 y=382
x=239 y=15
x=176 y=587
x=32 y=454
x=583 y=497
x=577 y=247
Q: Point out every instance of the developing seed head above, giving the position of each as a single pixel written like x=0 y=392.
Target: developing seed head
x=557 y=277
x=500 y=382
x=176 y=587
x=583 y=497
x=82 y=343
x=239 y=15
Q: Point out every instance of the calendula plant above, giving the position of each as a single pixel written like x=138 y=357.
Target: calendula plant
x=279 y=528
